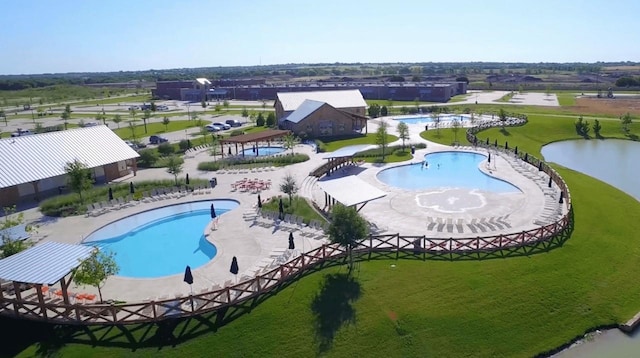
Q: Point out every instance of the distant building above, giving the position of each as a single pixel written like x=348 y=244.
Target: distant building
x=323 y=113
x=32 y=167
x=258 y=90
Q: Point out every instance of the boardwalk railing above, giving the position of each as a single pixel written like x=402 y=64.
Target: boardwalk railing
x=480 y=247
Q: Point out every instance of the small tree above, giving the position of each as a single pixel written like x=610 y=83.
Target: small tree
x=245 y=112
x=271 y=120
x=384 y=111
x=133 y=112
x=79 y=177
x=502 y=115
x=381 y=138
x=472 y=119
x=117 y=119
x=626 y=121
x=203 y=103
x=148 y=157
x=403 y=132
x=132 y=128
x=290 y=141
x=166 y=121
x=347 y=227
x=455 y=127
x=145 y=117
x=174 y=167
x=260 y=120
x=435 y=119
x=9 y=246
x=153 y=106
x=289 y=186
x=217 y=108
x=165 y=149
x=374 y=110
x=225 y=104
x=95 y=270
x=597 y=128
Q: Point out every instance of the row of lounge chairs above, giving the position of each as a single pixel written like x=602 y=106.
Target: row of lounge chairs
x=246 y=169
x=99 y=208
x=289 y=222
x=475 y=225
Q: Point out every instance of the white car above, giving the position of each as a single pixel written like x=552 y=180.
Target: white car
x=223 y=125
x=213 y=128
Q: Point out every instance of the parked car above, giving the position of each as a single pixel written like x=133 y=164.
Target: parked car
x=134 y=108
x=233 y=122
x=156 y=139
x=213 y=128
x=21 y=132
x=223 y=125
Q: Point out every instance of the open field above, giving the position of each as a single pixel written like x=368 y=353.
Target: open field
x=613 y=107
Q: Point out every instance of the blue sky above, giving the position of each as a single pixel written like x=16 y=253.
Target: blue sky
x=43 y=36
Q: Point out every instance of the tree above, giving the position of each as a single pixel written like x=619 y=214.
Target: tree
x=435 y=118
x=502 y=115
x=133 y=130
x=66 y=115
x=117 y=119
x=79 y=177
x=153 y=106
x=166 y=121
x=203 y=103
x=9 y=246
x=217 y=108
x=290 y=141
x=260 y=120
x=374 y=110
x=95 y=270
x=347 y=227
x=381 y=137
x=101 y=117
x=214 y=145
x=165 y=149
x=148 y=157
x=289 y=186
x=271 y=120
x=384 y=111
x=4 y=116
x=626 y=121
x=145 y=117
x=472 y=119
x=133 y=112
x=245 y=112
x=455 y=127
x=582 y=127
x=403 y=132
x=225 y=104
x=174 y=166
x=597 y=128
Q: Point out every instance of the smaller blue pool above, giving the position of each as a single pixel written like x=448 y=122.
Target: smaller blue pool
x=427 y=118
x=445 y=170
x=262 y=151
x=163 y=241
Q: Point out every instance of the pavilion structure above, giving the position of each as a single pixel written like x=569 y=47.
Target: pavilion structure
x=349 y=191
x=254 y=138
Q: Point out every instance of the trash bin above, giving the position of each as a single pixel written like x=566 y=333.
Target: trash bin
x=213 y=181
x=413 y=149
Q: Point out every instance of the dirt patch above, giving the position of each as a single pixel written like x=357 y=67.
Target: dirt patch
x=616 y=106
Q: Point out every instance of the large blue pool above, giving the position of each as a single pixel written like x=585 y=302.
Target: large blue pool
x=262 y=151
x=445 y=170
x=427 y=118
x=163 y=241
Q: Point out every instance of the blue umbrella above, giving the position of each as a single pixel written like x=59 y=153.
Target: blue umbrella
x=188 y=277
x=234 y=266
x=213 y=212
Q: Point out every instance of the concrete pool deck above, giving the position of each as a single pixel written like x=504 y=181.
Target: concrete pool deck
x=401 y=211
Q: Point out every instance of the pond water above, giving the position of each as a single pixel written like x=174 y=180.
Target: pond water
x=614 y=161
x=611 y=161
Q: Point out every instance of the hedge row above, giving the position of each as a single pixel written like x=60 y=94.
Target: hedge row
x=278 y=161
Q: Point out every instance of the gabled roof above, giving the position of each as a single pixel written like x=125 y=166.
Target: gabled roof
x=46 y=263
x=337 y=99
x=203 y=81
x=306 y=108
x=29 y=158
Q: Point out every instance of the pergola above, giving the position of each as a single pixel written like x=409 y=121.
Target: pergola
x=268 y=135
x=46 y=263
x=349 y=191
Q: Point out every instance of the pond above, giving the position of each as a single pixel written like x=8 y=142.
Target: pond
x=614 y=161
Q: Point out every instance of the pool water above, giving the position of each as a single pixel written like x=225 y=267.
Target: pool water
x=262 y=151
x=445 y=170
x=428 y=119
x=161 y=242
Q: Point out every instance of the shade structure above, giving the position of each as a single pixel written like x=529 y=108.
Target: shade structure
x=213 y=211
x=259 y=201
x=234 y=266
x=281 y=209
x=186 y=179
x=292 y=245
x=110 y=194
x=188 y=277
x=131 y=188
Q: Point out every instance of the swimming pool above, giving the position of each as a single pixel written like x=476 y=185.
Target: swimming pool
x=427 y=118
x=262 y=151
x=445 y=170
x=163 y=241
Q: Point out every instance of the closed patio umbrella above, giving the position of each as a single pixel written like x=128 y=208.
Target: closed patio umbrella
x=131 y=188
x=229 y=151
x=561 y=197
x=213 y=211
x=495 y=144
x=234 y=267
x=281 y=210
x=506 y=145
x=550 y=182
x=259 y=201
x=540 y=166
x=489 y=159
x=292 y=245
x=188 y=277
x=487 y=140
x=110 y=194
x=516 y=150
x=186 y=179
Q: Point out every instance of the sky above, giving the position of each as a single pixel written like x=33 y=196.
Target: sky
x=44 y=36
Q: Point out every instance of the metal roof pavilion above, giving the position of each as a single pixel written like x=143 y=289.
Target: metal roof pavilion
x=351 y=190
x=348 y=151
x=46 y=263
x=35 y=157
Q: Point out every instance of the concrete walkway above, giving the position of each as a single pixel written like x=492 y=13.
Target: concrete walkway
x=255 y=246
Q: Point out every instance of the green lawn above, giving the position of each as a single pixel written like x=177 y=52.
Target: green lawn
x=124 y=131
x=298 y=206
x=338 y=142
x=566 y=98
x=505 y=307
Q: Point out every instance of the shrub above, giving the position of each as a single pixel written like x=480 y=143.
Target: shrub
x=148 y=157
x=183 y=145
x=321 y=146
x=279 y=160
x=165 y=149
x=236 y=132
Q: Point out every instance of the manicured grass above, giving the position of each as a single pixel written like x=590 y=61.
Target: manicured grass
x=566 y=98
x=336 y=143
x=298 y=206
x=124 y=131
x=507 y=97
x=384 y=102
x=506 y=307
